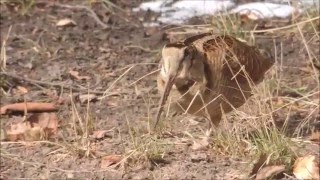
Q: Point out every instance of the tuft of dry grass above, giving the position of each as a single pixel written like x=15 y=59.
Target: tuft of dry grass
x=254 y=129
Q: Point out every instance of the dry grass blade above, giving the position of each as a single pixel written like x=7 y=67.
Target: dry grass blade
x=3 y=55
x=107 y=91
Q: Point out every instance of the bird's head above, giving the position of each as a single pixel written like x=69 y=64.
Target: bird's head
x=177 y=59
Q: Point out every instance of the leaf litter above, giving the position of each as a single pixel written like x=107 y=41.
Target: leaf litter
x=36 y=127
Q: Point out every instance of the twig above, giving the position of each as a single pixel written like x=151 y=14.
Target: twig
x=37 y=82
x=93 y=14
x=3 y=54
x=144 y=77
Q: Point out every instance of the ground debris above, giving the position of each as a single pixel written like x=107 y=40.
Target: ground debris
x=66 y=22
x=28 y=107
x=306 y=167
x=36 y=127
x=270 y=171
x=109 y=160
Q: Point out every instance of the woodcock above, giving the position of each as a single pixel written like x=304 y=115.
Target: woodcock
x=209 y=74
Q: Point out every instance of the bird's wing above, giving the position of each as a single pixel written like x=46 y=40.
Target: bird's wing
x=235 y=59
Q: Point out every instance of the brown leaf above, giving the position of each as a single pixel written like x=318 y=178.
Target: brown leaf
x=269 y=171
x=22 y=90
x=99 y=134
x=33 y=134
x=3 y=134
x=201 y=144
x=23 y=131
x=112 y=104
x=17 y=131
x=109 y=160
x=249 y=16
x=30 y=106
x=66 y=22
x=76 y=75
x=306 y=167
x=84 y=98
x=48 y=122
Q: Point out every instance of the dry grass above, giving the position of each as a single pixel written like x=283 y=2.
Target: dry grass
x=253 y=131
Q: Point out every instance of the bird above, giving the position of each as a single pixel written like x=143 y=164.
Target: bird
x=209 y=74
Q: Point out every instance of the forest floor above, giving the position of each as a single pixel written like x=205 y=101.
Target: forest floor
x=111 y=136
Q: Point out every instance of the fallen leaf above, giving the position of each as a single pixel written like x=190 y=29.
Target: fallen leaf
x=252 y=16
x=33 y=134
x=112 y=104
x=16 y=131
x=48 y=122
x=23 y=131
x=99 y=134
x=109 y=160
x=66 y=22
x=203 y=143
x=200 y=144
x=278 y=102
x=31 y=107
x=22 y=90
x=34 y=128
x=270 y=171
x=84 y=98
x=3 y=134
x=306 y=167
x=76 y=75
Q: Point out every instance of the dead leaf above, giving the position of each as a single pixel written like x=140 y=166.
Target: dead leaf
x=84 y=98
x=203 y=143
x=109 y=160
x=252 y=16
x=270 y=171
x=66 y=22
x=306 y=167
x=48 y=122
x=23 y=131
x=31 y=107
x=22 y=90
x=76 y=75
x=33 y=134
x=112 y=104
x=99 y=134
x=16 y=131
x=278 y=102
x=200 y=144
x=3 y=134
x=35 y=128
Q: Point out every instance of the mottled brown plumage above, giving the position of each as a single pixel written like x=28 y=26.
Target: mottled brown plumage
x=209 y=74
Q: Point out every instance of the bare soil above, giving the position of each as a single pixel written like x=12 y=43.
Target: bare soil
x=37 y=49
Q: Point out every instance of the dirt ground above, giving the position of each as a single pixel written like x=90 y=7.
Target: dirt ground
x=37 y=49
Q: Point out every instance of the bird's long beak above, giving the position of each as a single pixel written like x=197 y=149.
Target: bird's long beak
x=164 y=97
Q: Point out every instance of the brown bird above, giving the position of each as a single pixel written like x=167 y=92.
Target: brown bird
x=209 y=74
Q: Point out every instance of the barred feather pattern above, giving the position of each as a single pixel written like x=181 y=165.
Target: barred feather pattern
x=230 y=69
